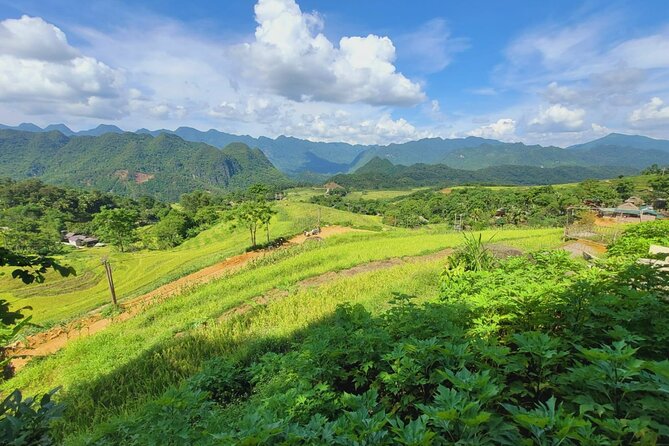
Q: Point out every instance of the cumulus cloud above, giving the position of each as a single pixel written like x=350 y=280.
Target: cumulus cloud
x=40 y=70
x=341 y=125
x=290 y=57
x=558 y=118
x=583 y=72
x=504 y=129
x=653 y=112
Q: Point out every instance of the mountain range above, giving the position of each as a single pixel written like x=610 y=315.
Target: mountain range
x=304 y=159
x=164 y=166
x=380 y=173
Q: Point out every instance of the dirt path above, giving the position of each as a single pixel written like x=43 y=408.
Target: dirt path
x=50 y=341
x=582 y=247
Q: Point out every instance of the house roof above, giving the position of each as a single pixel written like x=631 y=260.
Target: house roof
x=628 y=206
x=636 y=212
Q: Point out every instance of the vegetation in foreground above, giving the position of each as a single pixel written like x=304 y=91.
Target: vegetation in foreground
x=537 y=350
x=135 y=361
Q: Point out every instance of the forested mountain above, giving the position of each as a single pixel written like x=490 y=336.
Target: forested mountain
x=290 y=155
x=308 y=159
x=164 y=166
x=380 y=173
x=620 y=140
x=519 y=154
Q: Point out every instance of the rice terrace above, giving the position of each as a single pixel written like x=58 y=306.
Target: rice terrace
x=292 y=222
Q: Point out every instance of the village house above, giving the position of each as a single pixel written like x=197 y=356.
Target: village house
x=631 y=210
x=80 y=240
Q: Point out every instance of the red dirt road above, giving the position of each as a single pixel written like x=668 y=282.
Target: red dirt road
x=50 y=341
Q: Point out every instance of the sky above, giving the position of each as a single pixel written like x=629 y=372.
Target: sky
x=369 y=72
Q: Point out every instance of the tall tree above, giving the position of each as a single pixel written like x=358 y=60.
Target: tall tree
x=247 y=214
x=116 y=226
x=255 y=211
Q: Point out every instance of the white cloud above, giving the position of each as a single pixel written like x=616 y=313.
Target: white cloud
x=558 y=118
x=504 y=129
x=291 y=58
x=653 y=112
x=33 y=38
x=587 y=71
x=646 y=52
x=40 y=71
x=344 y=126
x=431 y=48
x=556 y=93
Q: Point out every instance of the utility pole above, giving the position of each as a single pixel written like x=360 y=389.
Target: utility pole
x=110 y=279
x=319 y=219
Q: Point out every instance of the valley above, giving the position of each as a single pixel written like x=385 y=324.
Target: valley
x=312 y=223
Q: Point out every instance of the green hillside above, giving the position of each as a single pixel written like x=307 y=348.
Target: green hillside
x=382 y=174
x=312 y=160
x=164 y=166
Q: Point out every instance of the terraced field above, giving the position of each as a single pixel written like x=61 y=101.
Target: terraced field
x=136 y=273
x=244 y=313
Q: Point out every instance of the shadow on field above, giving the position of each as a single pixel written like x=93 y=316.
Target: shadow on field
x=167 y=364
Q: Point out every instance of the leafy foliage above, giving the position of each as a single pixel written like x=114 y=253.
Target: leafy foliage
x=541 y=350
x=116 y=226
x=27 y=421
x=636 y=239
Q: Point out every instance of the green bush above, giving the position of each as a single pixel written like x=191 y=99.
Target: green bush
x=26 y=422
x=636 y=239
x=541 y=350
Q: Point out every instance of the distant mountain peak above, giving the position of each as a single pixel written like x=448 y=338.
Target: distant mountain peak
x=28 y=127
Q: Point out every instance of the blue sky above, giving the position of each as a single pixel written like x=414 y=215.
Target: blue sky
x=550 y=72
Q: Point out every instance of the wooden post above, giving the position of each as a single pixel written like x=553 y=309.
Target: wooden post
x=110 y=280
x=319 y=219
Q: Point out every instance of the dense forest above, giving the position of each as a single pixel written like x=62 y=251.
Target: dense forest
x=481 y=207
x=34 y=216
x=382 y=174
x=130 y=164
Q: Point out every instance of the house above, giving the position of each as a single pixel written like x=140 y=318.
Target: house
x=80 y=240
x=627 y=206
x=629 y=213
x=636 y=201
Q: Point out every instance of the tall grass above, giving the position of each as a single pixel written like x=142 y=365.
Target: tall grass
x=135 y=360
x=135 y=273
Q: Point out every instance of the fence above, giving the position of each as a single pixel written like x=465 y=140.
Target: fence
x=600 y=234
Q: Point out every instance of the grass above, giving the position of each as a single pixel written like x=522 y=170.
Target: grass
x=639 y=182
x=131 y=362
x=305 y=193
x=135 y=273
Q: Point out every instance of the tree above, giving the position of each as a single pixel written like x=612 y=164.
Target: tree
x=265 y=213
x=171 y=230
x=32 y=229
x=255 y=211
x=247 y=214
x=660 y=186
x=116 y=226
x=625 y=188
